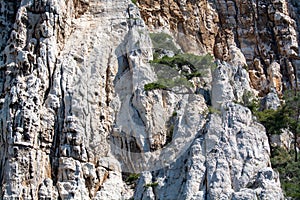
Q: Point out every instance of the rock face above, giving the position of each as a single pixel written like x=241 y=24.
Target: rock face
x=76 y=121
x=263 y=32
x=229 y=158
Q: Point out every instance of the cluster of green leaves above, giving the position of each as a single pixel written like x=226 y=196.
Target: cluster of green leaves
x=174 y=114
x=286 y=116
x=197 y=64
x=134 y=1
x=154 y=184
x=292 y=110
x=289 y=172
x=174 y=62
x=176 y=71
x=132 y=178
x=154 y=86
x=273 y=120
x=166 y=84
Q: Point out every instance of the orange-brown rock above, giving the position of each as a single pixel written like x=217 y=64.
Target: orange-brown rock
x=193 y=24
x=265 y=31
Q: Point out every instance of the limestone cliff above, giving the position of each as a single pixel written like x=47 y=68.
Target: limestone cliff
x=260 y=34
x=76 y=121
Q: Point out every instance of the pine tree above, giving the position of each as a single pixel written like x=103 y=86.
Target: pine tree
x=291 y=109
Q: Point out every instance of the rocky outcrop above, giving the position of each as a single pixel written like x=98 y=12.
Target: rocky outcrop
x=53 y=128
x=76 y=120
x=229 y=158
x=28 y=59
x=264 y=32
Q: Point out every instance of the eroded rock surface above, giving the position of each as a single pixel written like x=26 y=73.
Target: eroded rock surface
x=263 y=32
x=229 y=159
x=76 y=121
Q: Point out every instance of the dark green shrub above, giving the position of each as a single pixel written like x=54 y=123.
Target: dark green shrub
x=287 y=164
x=174 y=73
x=167 y=84
x=154 y=184
x=154 y=86
x=192 y=75
x=273 y=120
x=174 y=114
x=132 y=178
x=175 y=62
x=198 y=65
x=289 y=172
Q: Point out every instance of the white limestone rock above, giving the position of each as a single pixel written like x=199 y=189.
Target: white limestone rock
x=230 y=83
x=271 y=101
x=75 y=118
x=229 y=159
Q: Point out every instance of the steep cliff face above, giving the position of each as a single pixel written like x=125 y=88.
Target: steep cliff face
x=229 y=158
x=259 y=34
x=76 y=119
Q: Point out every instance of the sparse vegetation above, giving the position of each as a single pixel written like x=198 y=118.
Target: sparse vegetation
x=154 y=86
x=189 y=65
x=134 y=1
x=291 y=109
x=289 y=172
x=192 y=75
x=212 y=110
x=154 y=184
x=250 y=101
x=132 y=178
x=173 y=68
x=174 y=73
x=286 y=116
x=273 y=120
x=174 y=114
x=167 y=84
x=286 y=162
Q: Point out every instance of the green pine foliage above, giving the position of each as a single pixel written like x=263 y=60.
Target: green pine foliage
x=273 y=120
x=177 y=71
x=287 y=163
x=154 y=184
x=289 y=171
x=174 y=73
x=292 y=110
x=154 y=86
x=198 y=65
x=132 y=178
x=286 y=116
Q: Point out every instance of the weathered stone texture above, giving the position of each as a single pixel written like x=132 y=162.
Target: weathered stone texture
x=75 y=119
x=229 y=159
x=265 y=32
